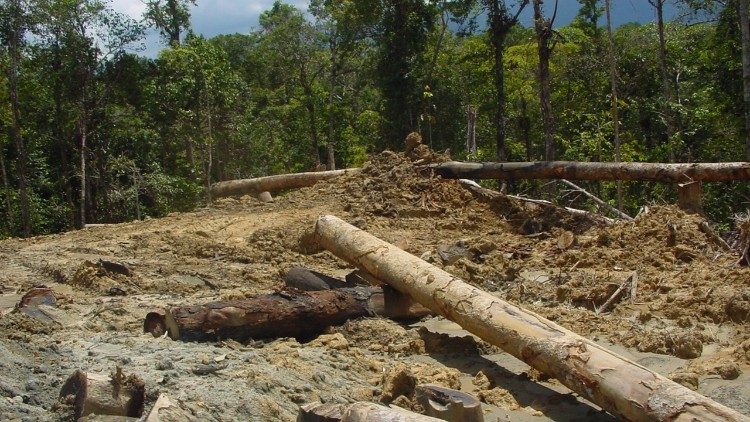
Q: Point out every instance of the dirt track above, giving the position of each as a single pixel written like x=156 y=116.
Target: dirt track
x=689 y=318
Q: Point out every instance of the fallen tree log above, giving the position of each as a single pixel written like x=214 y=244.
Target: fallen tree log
x=613 y=382
x=273 y=183
x=573 y=170
x=288 y=313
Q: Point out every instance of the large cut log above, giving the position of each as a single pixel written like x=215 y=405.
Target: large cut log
x=96 y=394
x=573 y=170
x=615 y=383
x=371 y=412
x=290 y=313
x=273 y=183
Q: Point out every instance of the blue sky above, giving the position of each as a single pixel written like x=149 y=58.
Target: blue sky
x=213 y=17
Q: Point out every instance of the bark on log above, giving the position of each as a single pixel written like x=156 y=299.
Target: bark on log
x=613 y=382
x=572 y=170
x=115 y=395
x=284 y=314
x=273 y=183
x=371 y=412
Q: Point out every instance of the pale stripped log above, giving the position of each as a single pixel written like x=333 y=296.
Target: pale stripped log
x=615 y=383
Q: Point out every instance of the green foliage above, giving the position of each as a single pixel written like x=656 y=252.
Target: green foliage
x=350 y=78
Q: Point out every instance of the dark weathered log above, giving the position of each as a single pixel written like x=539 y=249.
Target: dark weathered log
x=447 y=404
x=371 y=412
x=273 y=183
x=572 y=170
x=307 y=280
x=613 y=382
x=115 y=395
x=284 y=314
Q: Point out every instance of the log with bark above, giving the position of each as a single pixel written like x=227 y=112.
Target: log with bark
x=618 y=385
x=572 y=170
x=287 y=313
x=273 y=183
x=97 y=394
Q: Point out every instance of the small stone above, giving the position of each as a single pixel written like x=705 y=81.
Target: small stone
x=687 y=379
x=164 y=365
x=31 y=385
x=729 y=371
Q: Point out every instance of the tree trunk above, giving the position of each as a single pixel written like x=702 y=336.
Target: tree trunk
x=173 y=24
x=331 y=143
x=95 y=394
x=618 y=385
x=615 y=110
x=82 y=194
x=14 y=51
x=311 y=115
x=6 y=187
x=573 y=170
x=667 y=90
x=499 y=31
x=543 y=28
x=524 y=123
x=274 y=183
x=745 y=25
x=290 y=313
x=471 y=130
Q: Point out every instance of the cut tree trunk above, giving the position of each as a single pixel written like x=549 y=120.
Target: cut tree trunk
x=273 y=183
x=114 y=395
x=573 y=170
x=618 y=385
x=371 y=412
x=291 y=313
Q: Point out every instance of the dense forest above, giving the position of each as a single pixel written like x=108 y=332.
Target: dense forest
x=93 y=132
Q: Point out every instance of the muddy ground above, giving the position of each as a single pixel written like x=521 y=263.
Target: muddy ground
x=688 y=319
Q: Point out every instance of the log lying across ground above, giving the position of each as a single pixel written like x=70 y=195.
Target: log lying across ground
x=613 y=382
x=573 y=170
x=273 y=183
x=291 y=313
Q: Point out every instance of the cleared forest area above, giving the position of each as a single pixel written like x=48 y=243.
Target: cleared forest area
x=686 y=319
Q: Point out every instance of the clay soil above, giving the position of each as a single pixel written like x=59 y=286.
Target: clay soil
x=688 y=319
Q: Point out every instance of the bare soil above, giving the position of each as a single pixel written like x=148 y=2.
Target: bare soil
x=688 y=320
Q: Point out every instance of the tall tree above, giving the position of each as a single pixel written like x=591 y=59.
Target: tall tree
x=170 y=17
x=544 y=34
x=615 y=110
x=402 y=41
x=501 y=21
x=666 y=81
x=14 y=15
x=745 y=26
